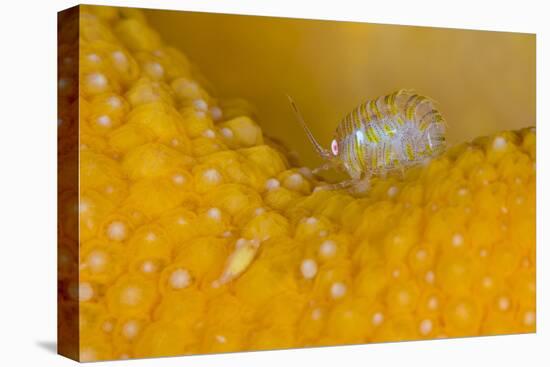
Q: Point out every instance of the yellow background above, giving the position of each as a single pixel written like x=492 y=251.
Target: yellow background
x=483 y=81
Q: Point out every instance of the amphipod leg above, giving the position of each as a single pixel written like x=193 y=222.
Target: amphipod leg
x=324 y=167
x=238 y=261
x=358 y=185
x=339 y=186
x=362 y=185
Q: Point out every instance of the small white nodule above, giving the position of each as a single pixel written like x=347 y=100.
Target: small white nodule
x=392 y=191
x=214 y=213
x=503 y=303
x=96 y=260
x=155 y=69
x=131 y=295
x=114 y=101
x=98 y=80
x=180 y=279
x=85 y=292
x=499 y=143
x=487 y=282
x=338 y=290
x=519 y=200
x=429 y=277
x=221 y=339
x=328 y=248
x=88 y=354
x=212 y=176
x=377 y=318
x=209 y=133
x=83 y=206
x=148 y=267
x=119 y=57
x=316 y=314
x=308 y=268
x=421 y=254
x=150 y=236
x=425 y=327
x=104 y=120
x=457 y=240
x=294 y=181
x=433 y=303
x=200 y=105
x=116 y=231
x=178 y=179
x=312 y=221
x=272 y=184
x=216 y=113
x=130 y=329
x=227 y=132
x=94 y=58
x=529 y=318
x=463 y=191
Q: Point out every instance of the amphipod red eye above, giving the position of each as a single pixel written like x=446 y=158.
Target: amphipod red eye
x=334 y=147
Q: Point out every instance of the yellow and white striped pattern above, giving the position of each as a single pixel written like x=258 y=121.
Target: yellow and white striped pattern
x=393 y=131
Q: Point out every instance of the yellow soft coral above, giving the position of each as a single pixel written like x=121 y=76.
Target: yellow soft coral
x=198 y=236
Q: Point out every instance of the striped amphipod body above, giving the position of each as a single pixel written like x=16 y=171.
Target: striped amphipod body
x=390 y=133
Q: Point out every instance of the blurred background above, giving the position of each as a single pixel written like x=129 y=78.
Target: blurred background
x=484 y=81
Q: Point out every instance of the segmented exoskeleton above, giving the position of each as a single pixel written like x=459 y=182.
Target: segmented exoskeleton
x=390 y=133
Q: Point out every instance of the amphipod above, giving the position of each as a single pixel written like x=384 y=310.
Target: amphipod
x=390 y=133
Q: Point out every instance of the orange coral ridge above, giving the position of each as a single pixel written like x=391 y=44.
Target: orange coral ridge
x=177 y=186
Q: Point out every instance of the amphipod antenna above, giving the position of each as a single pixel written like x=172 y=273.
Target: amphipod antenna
x=320 y=150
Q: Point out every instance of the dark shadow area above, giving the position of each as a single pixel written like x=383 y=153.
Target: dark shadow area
x=50 y=346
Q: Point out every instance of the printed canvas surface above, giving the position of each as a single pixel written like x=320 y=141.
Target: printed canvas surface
x=236 y=183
